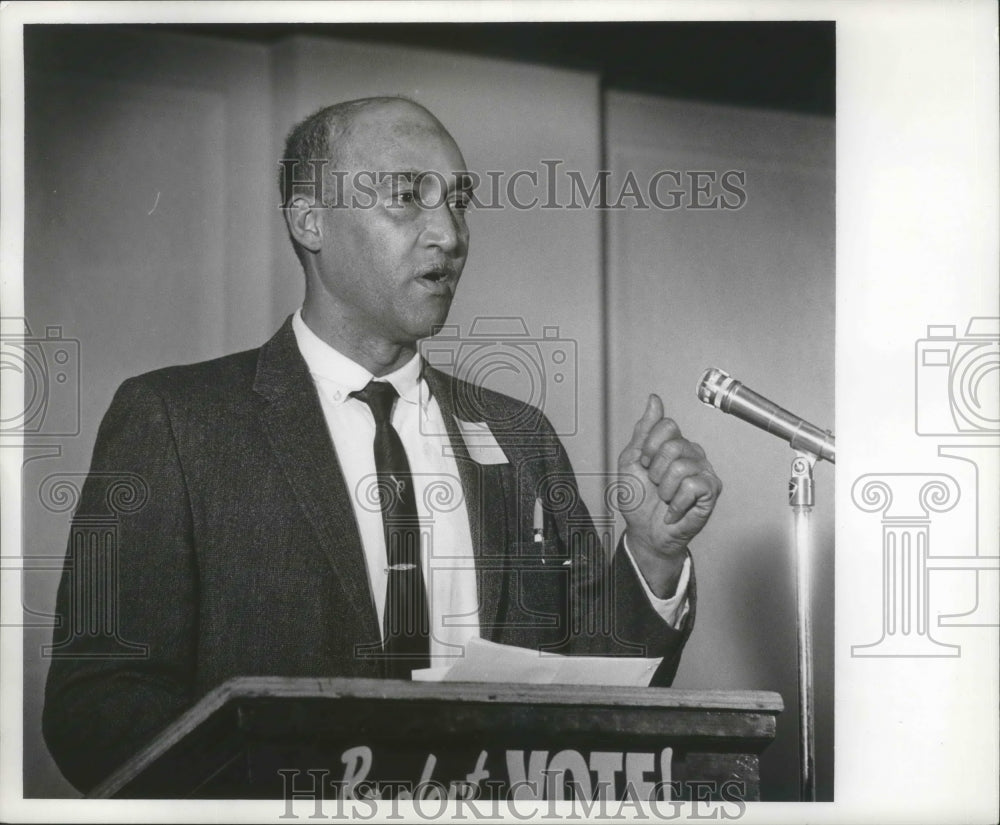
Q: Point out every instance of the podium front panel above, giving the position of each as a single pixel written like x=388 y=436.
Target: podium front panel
x=274 y=738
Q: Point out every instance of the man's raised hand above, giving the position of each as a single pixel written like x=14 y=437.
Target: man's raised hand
x=679 y=489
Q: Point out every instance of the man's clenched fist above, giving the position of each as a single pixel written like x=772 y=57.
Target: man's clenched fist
x=679 y=489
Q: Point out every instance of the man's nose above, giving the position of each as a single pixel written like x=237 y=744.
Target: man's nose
x=444 y=229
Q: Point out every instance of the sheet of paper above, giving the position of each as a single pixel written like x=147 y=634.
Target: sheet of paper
x=486 y=661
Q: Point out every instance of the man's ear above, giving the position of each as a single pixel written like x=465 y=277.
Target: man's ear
x=304 y=223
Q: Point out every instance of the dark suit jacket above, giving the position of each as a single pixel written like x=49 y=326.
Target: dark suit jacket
x=237 y=552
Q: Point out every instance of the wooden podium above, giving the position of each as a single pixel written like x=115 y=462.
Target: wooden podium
x=270 y=738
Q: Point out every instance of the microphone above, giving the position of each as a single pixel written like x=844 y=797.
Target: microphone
x=718 y=389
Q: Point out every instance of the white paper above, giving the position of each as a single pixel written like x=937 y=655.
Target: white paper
x=486 y=661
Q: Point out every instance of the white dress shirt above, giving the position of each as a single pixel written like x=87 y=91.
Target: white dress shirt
x=447 y=558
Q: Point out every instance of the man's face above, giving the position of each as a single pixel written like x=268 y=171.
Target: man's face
x=392 y=257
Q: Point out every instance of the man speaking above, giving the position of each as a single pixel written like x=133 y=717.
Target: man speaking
x=331 y=505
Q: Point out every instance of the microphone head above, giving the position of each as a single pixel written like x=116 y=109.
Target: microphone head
x=713 y=384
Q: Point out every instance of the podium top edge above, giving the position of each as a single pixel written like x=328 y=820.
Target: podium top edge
x=496 y=692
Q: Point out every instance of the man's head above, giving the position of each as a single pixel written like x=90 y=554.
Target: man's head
x=385 y=247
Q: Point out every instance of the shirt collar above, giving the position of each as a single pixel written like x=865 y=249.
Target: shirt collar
x=338 y=376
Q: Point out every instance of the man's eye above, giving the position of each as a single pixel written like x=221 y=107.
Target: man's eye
x=404 y=198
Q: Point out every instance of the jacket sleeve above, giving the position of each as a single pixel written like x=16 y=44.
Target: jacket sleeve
x=124 y=649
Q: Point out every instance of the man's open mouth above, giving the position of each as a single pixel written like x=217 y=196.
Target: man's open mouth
x=436 y=277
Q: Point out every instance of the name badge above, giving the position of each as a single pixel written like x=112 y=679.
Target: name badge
x=480 y=442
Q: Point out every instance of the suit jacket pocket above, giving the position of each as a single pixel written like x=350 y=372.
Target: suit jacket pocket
x=538 y=589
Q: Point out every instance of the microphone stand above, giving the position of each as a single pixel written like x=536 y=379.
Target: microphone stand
x=801 y=497
x=718 y=389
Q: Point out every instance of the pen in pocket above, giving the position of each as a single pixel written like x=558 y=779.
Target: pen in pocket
x=538 y=523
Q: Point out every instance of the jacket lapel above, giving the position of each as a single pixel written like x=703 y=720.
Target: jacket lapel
x=296 y=429
x=485 y=502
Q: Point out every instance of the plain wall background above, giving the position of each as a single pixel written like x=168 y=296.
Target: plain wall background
x=153 y=237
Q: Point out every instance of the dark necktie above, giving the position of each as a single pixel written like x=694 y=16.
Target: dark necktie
x=406 y=632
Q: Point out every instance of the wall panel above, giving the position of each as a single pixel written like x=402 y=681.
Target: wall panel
x=146 y=158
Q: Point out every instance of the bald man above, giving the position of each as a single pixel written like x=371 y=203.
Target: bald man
x=265 y=541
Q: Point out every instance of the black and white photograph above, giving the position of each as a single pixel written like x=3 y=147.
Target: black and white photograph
x=436 y=417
